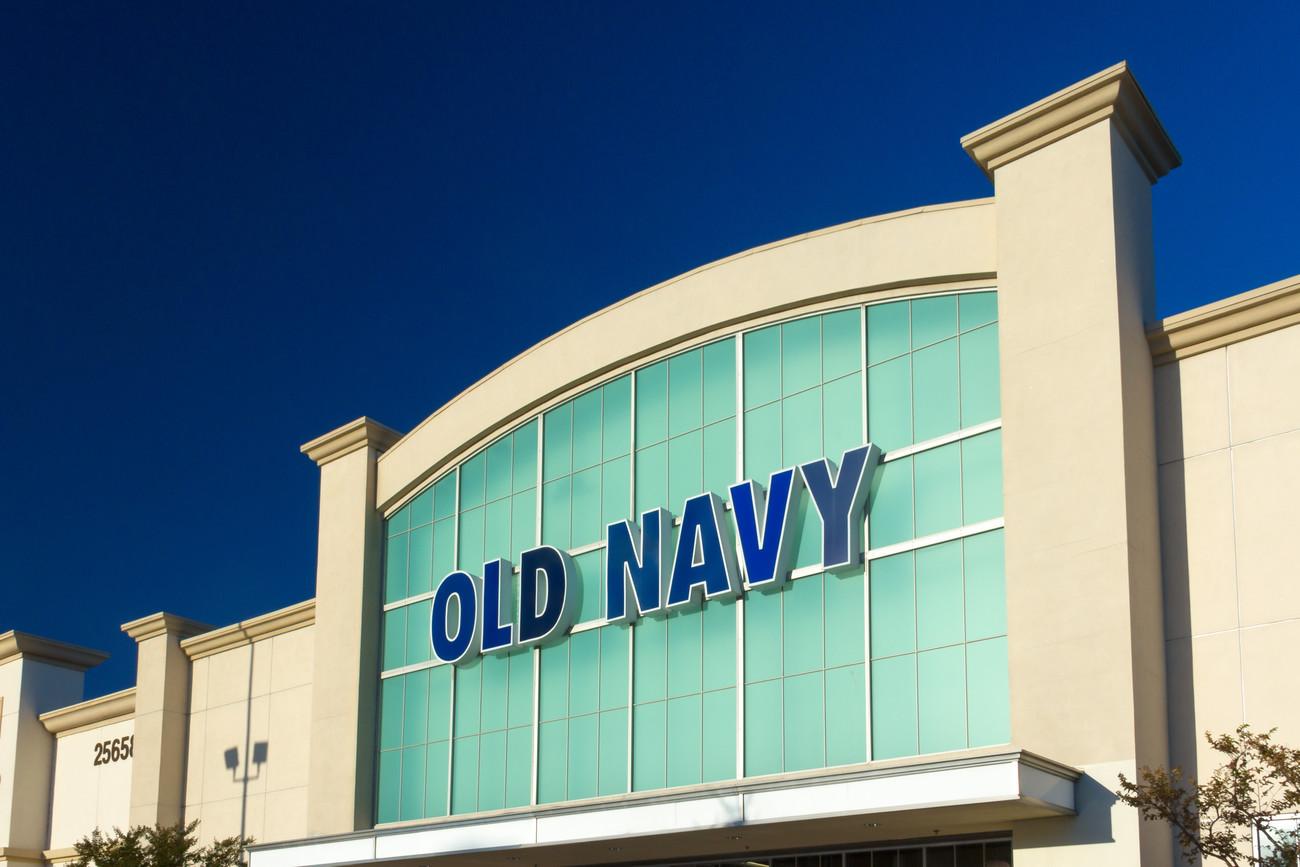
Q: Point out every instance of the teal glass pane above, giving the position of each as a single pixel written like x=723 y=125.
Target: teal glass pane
x=612 y=775
x=421 y=509
x=587 y=527
x=591 y=580
x=649 y=660
x=519 y=766
x=583 y=739
x=888 y=331
x=845 y=617
x=685 y=393
x=801 y=428
x=801 y=354
x=500 y=468
x=524 y=472
x=685 y=663
x=420 y=560
x=520 y=702
x=977 y=308
x=496 y=532
x=557 y=442
x=718 y=643
x=890 y=505
x=523 y=524
x=399 y=521
x=938 y=489
x=651 y=477
x=934 y=390
x=762 y=727
x=617 y=421
x=805 y=739
x=392 y=692
x=893 y=707
x=469 y=689
x=762 y=629
x=939 y=614
x=616 y=492
x=718 y=738
x=802 y=633
x=553 y=694
x=986 y=601
x=889 y=403
x=719 y=457
x=395 y=568
x=846 y=715
x=649 y=742
x=588 y=435
x=464 y=775
x=685 y=740
x=390 y=786
x=652 y=404
x=552 y=761
x=842 y=416
x=841 y=343
x=719 y=380
x=614 y=642
x=685 y=469
x=436 y=780
x=981 y=468
x=988 y=693
x=444 y=496
x=472 y=475
x=415 y=720
x=893 y=612
x=444 y=550
x=933 y=319
x=762 y=442
x=762 y=366
x=469 y=553
x=556 y=529
x=496 y=692
x=980 y=390
x=394 y=638
x=941 y=698
x=584 y=673
x=492 y=771
x=439 y=703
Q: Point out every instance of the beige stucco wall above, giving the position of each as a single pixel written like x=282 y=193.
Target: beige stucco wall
x=255 y=693
x=1229 y=456
x=89 y=796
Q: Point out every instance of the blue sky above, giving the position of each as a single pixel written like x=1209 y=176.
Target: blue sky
x=227 y=228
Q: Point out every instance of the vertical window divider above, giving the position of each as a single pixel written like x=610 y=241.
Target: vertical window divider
x=451 y=699
x=536 y=652
x=740 y=600
x=866 y=537
x=631 y=510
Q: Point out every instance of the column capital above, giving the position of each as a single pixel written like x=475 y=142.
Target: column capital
x=16 y=645
x=1112 y=93
x=164 y=623
x=361 y=433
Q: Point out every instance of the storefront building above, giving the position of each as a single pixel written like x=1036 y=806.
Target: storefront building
x=889 y=544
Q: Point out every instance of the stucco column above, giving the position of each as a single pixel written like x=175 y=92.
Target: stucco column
x=36 y=675
x=345 y=690
x=162 y=707
x=1072 y=176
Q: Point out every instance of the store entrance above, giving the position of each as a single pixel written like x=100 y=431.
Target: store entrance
x=995 y=852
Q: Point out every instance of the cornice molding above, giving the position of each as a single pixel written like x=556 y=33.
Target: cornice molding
x=19 y=645
x=361 y=433
x=254 y=629
x=113 y=707
x=1232 y=320
x=1112 y=93
x=163 y=623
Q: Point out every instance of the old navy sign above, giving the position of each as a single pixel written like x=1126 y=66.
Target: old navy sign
x=646 y=574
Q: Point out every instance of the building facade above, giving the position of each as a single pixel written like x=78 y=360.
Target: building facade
x=893 y=543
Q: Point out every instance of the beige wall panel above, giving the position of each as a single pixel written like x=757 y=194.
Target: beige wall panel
x=1262 y=373
x=195 y=749
x=286 y=815
x=1267 y=475
x=199 y=684
x=232 y=817
x=1198 y=547
x=289 y=739
x=239 y=674
x=1102 y=830
x=292 y=657
x=239 y=727
x=1268 y=670
x=89 y=796
x=1204 y=695
x=1192 y=406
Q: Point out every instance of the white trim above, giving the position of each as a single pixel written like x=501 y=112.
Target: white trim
x=946 y=439
x=937 y=538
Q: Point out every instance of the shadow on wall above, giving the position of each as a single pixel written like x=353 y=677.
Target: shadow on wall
x=1091 y=825
x=254 y=753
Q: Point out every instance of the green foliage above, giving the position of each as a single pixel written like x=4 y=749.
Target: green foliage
x=1220 y=818
x=157 y=846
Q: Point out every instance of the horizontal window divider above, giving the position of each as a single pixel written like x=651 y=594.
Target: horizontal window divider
x=410 y=600
x=580 y=550
x=936 y=538
x=410 y=669
x=946 y=439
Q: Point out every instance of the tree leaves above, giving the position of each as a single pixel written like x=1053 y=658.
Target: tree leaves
x=157 y=846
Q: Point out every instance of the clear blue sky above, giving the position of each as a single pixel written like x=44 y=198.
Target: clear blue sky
x=226 y=228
